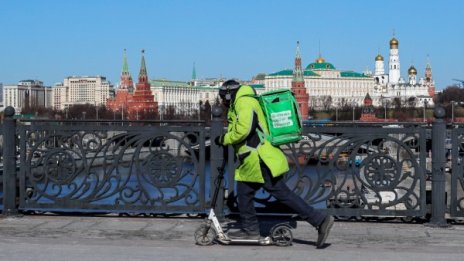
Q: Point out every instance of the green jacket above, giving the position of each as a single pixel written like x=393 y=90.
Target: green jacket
x=245 y=116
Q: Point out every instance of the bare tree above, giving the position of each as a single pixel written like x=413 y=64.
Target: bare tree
x=326 y=102
x=397 y=103
x=412 y=101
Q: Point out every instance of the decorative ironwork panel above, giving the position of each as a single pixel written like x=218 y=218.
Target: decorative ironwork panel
x=355 y=171
x=457 y=176
x=137 y=169
x=1 y=167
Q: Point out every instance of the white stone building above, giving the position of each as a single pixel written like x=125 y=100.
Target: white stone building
x=27 y=93
x=329 y=87
x=81 y=90
x=184 y=97
x=326 y=86
x=412 y=92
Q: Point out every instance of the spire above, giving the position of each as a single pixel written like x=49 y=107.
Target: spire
x=298 y=72
x=125 y=66
x=126 y=78
x=194 y=72
x=298 y=85
x=429 y=82
x=367 y=98
x=143 y=69
x=427 y=66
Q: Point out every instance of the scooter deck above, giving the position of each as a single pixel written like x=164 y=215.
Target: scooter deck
x=263 y=241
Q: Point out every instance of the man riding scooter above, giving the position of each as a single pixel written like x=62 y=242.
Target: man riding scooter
x=262 y=165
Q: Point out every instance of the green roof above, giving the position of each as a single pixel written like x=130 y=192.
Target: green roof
x=320 y=66
x=352 y=74
x=286 y=72
x=289 y=72
x=257 y=86
x=164 y=82
x=310 y=73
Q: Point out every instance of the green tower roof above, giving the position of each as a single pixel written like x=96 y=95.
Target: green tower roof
x=125 y=66
x=194 y=72
x=143 y=67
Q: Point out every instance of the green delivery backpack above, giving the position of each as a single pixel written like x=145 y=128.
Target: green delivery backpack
x=282 y=116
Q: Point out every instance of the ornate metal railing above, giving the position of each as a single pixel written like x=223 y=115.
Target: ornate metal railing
x=1 y=167
x=85 y=167
x=357 y=171
x=162 y=167
x=456 y=184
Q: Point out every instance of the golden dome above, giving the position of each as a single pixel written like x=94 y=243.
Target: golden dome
x=379 y=57
x=394 y=43
x=412 y=70
x=320 y=60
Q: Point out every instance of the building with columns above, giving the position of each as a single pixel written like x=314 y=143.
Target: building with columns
x=81 y=90
x=328 y=87
x=27 y=93
x=325 y=85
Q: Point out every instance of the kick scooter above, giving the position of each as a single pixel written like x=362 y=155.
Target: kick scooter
x=211 y=231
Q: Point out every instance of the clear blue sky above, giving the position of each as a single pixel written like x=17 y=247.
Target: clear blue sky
x=52 y=39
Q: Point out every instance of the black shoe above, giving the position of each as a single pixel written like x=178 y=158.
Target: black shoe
x=244 y=234
x=323 y=231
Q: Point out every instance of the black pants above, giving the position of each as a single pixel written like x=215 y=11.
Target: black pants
x=276 y=187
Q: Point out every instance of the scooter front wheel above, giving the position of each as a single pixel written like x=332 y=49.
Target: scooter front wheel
x=282 y=235
x=205 y=235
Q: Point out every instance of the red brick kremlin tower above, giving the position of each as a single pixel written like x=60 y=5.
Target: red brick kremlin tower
x=298 y=85
x=368 y=112
x=126 y=78
x=142 y=99
x=124 y=92
x=428 y=80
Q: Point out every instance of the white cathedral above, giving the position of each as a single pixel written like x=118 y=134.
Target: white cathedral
x=412 y=92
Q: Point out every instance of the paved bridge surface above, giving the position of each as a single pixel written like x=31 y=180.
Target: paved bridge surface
x=50 y=237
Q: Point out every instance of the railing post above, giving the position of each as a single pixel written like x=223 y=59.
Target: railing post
x=438 y=168
x=9 y=163
x=217 y=158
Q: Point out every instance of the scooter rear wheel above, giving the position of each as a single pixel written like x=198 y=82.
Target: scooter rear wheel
x=205 y=235
x=281 y=235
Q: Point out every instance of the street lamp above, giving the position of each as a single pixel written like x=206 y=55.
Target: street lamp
x=161 y=111
x=83 y=115
x=385 y=104
x=425 y=105
x=353 y=104
x=452 y=111
x=96 y=111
